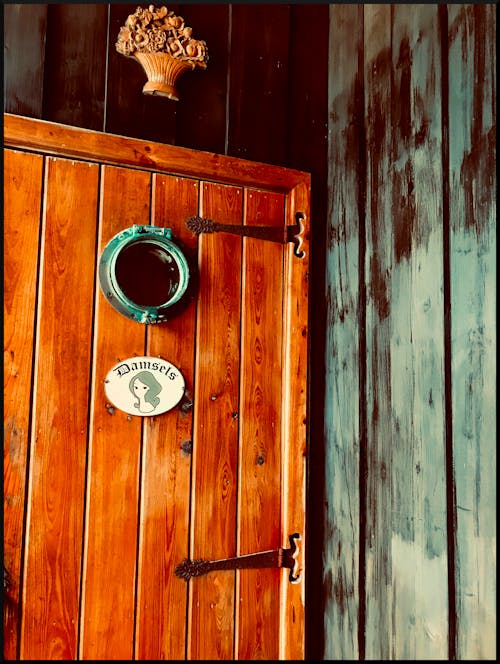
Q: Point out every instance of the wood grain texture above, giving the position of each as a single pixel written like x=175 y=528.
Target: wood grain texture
x=417 y=474
x=472 y=133
x=307 y=107
x=379 y=257
x=307 y=149
x=75 y=64
x=58 y=139
x=22 y=205
x=215 y=438
x=260 y=459
x=201 y=118
x=24 y=67
x=166 y=464
x=472 y=129
x=51 y=589
x=406 y=583
x=344 y=327
x=133 y=530
x=258 y=94
x=112 y=505
x=294 y=418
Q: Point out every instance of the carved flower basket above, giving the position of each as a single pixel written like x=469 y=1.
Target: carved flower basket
x=164 y=46
x=162 y=71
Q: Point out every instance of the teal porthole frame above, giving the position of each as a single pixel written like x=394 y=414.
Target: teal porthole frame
x=152 y=238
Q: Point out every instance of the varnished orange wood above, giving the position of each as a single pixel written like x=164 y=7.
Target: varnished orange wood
x=294 y=423
x=61 y=139
x=51 y=591
x=259 y=507
x=216 y=404
x=109 y=573
x=145 y=507
x=166 y=466
x=22 y=204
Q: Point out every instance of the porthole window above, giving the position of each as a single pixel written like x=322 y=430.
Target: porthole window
x=146 y=275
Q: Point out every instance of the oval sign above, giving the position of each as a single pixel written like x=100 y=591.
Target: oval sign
x=144 y=386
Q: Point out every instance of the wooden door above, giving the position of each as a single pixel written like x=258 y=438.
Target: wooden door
x=101 y=506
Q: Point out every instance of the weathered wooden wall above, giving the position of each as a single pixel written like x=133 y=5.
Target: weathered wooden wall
x=410 y=272
x=391 y=108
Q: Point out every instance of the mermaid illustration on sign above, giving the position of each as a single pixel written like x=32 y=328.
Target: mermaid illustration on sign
x=145 y=388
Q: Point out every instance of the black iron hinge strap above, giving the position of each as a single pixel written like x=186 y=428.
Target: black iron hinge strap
x=281 y=234
x=275 y=558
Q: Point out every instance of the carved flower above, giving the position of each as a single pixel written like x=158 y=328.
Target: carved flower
x=126 y=41
x=176 y=22
x=175 y=48
x=161 y=12
x=146 y=15
x=156 y=29
x=196 y=49
x=142 y=41
x=157 y=40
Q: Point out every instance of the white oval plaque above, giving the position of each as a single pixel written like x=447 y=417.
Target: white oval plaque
x=144 y=385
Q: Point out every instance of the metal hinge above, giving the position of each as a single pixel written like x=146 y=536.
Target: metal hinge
x=275 y=558
x=281 y=234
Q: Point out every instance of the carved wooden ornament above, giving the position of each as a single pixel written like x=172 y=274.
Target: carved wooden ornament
x=163 y=45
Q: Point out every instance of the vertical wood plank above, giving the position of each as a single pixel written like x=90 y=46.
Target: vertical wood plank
x=472 y=130
x=166 y=466
x=215 y=439
x=51 y=589
x=202 y=108
x=258 y=82
x=24 y=67
x=342 y=390
x=129 y=112
x=294 y=420
x=22 y=205
x=111 y=527
x=259 y=466
x=378 y=73
x=307 y=149
x=75 y=65
x=308 y=91
x=417 y=473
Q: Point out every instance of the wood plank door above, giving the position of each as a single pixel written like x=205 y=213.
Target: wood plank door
x=101 y=506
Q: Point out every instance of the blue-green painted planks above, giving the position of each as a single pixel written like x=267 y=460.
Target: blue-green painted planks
x=473 y=329
x=409 y=552
x=406 y=539
x=418 y=476
x=378 y=262
x=341 y=578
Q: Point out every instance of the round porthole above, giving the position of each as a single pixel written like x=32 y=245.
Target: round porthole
x=145 y=274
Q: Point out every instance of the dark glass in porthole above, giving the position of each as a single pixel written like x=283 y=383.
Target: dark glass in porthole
x=147 y=273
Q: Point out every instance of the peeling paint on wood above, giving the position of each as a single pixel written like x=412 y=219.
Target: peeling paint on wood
x=342 y=428
x=379 y=629
x=473 y=324
x=405 y=478
x=419 y=541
